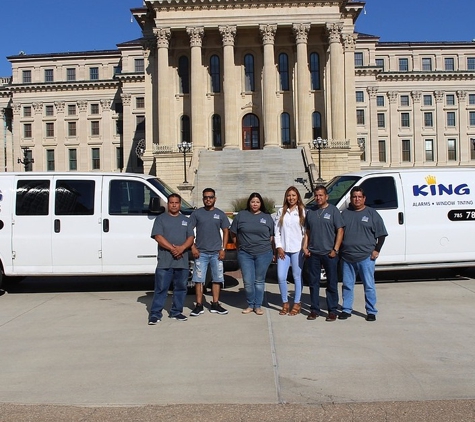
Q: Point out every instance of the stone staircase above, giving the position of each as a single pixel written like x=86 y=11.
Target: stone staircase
x=236 y=174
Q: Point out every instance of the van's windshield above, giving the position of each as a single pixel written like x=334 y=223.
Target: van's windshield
x=186 y=207
x=337 y=189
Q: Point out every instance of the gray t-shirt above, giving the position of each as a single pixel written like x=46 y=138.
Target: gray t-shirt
x=176 y=230
x=362 y=228
x=208 y=229
x=322 y=225
x=254 y=231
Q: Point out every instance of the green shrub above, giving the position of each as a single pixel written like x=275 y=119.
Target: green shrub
x=239 y=204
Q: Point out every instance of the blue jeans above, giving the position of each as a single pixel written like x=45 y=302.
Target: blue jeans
x=315 y=263
x=254 y=269
x=294 y=259
x=163 y=279
x=365 y=269
x=201 y=268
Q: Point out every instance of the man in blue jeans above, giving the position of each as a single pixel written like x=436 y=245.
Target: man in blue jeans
x=364 y=237
x=174 y=236
x=324 y=233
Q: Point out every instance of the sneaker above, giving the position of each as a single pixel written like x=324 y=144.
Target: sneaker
x=371 y=317
x=153 y=320
x=344 y=315
x=216 y=308
x=198 y=310
x=179 y=317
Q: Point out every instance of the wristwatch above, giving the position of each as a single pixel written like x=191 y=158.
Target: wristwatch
x=335 y=251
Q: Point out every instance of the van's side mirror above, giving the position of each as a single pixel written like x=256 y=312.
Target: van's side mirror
x=154 y=206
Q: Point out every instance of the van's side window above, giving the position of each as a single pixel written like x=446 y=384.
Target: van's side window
x=32 y=197
x=129 y=197
x=74 y=197
x=380 y=193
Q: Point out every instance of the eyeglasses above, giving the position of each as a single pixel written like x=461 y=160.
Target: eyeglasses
x=208 y=197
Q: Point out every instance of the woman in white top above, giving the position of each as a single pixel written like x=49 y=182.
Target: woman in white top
x=289 y=231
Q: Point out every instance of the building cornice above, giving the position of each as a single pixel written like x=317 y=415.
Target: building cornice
x=426 y=76
x=64 y=86
x=130 y=77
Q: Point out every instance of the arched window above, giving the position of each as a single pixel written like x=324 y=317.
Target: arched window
x=249 y=73
x=284 y=71
x=315 y=71
x=285 y=129
x=316 y=124
x=250 y=132
x=215 y=73
x=185 y=128
x=216 y=130
x=184 y=75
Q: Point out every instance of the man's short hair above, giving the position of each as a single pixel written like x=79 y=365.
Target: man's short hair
x=209 y=190
x=320 y=187
x=357 y=189
x=175 y=195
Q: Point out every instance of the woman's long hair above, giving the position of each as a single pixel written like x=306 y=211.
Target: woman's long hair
x=258 y=196
x=300 y=206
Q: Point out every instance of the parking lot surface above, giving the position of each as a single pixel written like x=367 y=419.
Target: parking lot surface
x=81 y=349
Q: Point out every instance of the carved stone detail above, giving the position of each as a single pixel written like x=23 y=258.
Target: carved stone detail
x=38 y=107
x=59 y=106
x=372 y=91
x=349 y=41
x=268 y=33
x=82 y=106
x=334 y=32
x=416 y=96
x=301 y=32
x=16 y=108
x=126 y=99
x=106 y=104
x=439 y=96
x=162 y=36
x=196 y=35
x=228 y=34
x=462 y=95
x=393 y=96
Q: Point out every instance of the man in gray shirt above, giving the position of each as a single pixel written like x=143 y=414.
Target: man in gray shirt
x=174 y=236
x=364 y=237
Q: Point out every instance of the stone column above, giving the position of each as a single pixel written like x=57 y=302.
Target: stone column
x=109 y=159
x=198 y=89
x=464 y=139
x=372 y=153
x=128 y=131
x=82 y=130
x=350 y=89
x=16 y=139
x=417 y=141
x=164 y=122
x=60 y=158
x=304 y=120
x=337 y=82
x=231 y=132
x=440 y=138
x=393 y=155
x=269 y=86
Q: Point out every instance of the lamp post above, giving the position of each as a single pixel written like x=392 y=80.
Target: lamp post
x=184 y=147
x=318 y=144
x=26 y=159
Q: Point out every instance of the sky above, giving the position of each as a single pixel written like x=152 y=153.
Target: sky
x=55 y=26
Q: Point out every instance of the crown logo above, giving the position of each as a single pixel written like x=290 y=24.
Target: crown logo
x=431 y=180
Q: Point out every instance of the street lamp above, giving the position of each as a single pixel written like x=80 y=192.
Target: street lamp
x=26 y=158
x=318 y=144
x=184 y=147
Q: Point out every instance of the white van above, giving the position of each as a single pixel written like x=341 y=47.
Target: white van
x=80 y=223
x=429 y=214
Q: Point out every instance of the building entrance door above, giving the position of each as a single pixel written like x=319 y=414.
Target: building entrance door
x=250 y=132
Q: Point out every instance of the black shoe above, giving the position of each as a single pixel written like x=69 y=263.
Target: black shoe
x=312 y=316
x=153 y=320
x=331 y=317
x=371 y=317
x=344 y=315
x=179 y=317
x=198 y=310
x=216 y=308
x=2 y=292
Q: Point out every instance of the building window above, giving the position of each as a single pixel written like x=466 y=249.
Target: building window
x=27 y=130
x=314 y=71
x=427 y=100
x=249 y=85
x=70 y=74
x=185 y=129
x=428 y=121
x=50 y=159
x=49 y=129
x=216 y=131
x=359 y=59
x=472 y=118
x=49 y=110
x=429 y=148
x=94 y=108
x=452 y=149
x=406 y=150
x=449 y=64
x=380 y=64
x=94 y=128
x=450 y=99
x=140 y=102
x=403 y=65
x=451 y=118
x=139 y=66
x=362 y=144
x=49 y=75
x=73 y=159
x=427 y=64
x=285 y=129
x=471 y=99
x=96 y=158
x=183 y=75
x=26 y=76
x=380 y=100
x=71 y=129
x=405 y=122
x=316 y=125
x=119 y=158
x=381 y=120
x=359 y=96
x=27 y=111
x=117 y=70
x=360 y=117
x=94 y=73
x=404 y=100
x=470 y=63
x=284 y=72
x=215 y=73
x=71 y=109
x=382 y=150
